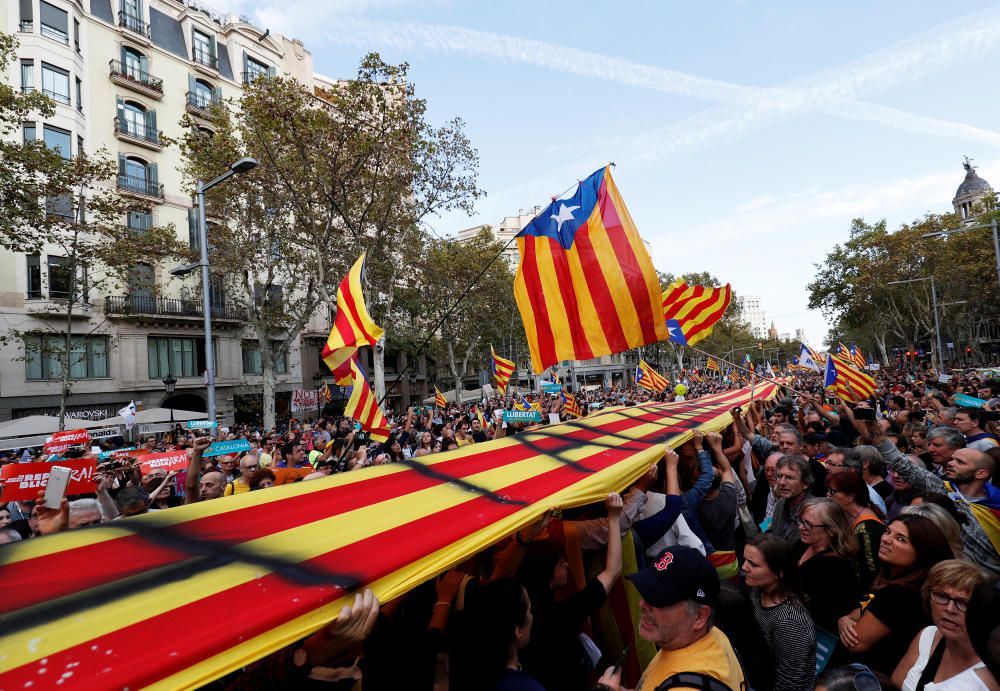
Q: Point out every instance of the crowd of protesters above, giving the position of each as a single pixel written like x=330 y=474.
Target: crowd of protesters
x=807 y=534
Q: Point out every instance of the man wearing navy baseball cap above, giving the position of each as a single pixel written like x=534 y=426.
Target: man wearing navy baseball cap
x=678 y=593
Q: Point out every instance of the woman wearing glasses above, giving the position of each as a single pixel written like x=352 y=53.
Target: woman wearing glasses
x=941 y=657
x=826 y=552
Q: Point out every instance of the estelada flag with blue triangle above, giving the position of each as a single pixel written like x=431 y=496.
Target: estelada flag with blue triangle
x=585 y=285
x=691 y=312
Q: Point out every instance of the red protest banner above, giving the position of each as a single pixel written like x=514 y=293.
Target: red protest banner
x=168 y=460
x=23 y=480
x=63 y=440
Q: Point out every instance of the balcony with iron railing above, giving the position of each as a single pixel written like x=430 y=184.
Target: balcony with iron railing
x=205 y=58
x=175 y=308
x=200 y=105
x=138 y=133
x=133 y=23
x=54 y=33
x=135 y=79
x=143 y=187
x=58 y=97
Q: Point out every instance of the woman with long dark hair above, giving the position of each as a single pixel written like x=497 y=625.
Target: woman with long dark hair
x=500 y=618
x=770 y=570
x=850 y=491
x=879 y=633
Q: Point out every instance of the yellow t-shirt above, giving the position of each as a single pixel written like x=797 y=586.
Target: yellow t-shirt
x=712 y=655
x=235 y=487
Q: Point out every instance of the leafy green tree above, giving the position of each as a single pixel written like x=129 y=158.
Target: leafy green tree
x=54 y=203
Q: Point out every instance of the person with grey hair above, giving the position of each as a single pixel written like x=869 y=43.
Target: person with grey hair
x=792 y=482
x=84 y=512
x=942 y=442
x=979 y=548
x=873 y=470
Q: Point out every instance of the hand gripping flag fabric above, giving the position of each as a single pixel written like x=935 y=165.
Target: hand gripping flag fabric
x=808 y=360
x=692 y=311
x=848 y=383
x=439 y=399
x=858 y=357
x=178 y=598
x=585 y=285
x=352 y=328
x=649 y=378
x=502 y=370
x=363 y=405
x=713 y=366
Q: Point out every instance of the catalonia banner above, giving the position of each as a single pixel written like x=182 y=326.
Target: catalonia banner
x=177 y=598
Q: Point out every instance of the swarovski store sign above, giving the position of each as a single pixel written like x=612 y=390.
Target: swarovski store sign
x=76 y=412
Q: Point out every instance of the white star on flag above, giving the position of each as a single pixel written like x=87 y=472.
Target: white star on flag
x=565 y=214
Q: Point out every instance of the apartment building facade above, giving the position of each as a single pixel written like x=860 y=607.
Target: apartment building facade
x=122 y=74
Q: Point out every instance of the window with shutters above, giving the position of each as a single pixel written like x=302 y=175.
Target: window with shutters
x=203 y=49
x=136 y=175
x=55 y=83
x=34 y=287
x=202 y=94
x=141 y=287
x=138 y=220
x=27 y=20
x=54 y=21
x=253 y=69
x=27 y=76
x=137 y=121
x=180 y=357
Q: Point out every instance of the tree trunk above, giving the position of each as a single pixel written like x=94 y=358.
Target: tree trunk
x=880 y=341
x=468 y=356
x=67 y=342
x=267 y=380
x=378 y=365
x=453 y=368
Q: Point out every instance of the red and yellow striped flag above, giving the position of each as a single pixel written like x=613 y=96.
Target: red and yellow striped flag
x=848 y=383
x=691 y=312
x=352 y=328
x=713 y=366
x=439 y=399
x=844 y=352
x=179 y=598
x=570 y=406
x=585 y=285
x=502 y=370
x=649 y=378
x=858 y=357
x=363 y=405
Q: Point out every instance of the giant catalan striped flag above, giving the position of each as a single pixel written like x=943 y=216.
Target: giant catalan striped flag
x=847 y=382
x=363 y=404
x=502 y=370
x=692 y=311
x=177 y=598
x=585 y=285
x=352 y=328
x=649 y=378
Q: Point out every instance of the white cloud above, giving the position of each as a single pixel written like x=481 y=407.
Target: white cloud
x=831 y=91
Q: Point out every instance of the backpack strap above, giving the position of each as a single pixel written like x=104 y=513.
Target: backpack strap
x=693 y=680
x=931 y=668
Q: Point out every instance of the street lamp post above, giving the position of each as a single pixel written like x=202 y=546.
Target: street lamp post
x=169 y=385
x=241 y=166
x=934 y=307
x=317 y=382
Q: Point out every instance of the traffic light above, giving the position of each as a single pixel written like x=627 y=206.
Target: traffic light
x=968 y=350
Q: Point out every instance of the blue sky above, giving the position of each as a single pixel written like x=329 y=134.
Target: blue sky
x=746 y=135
